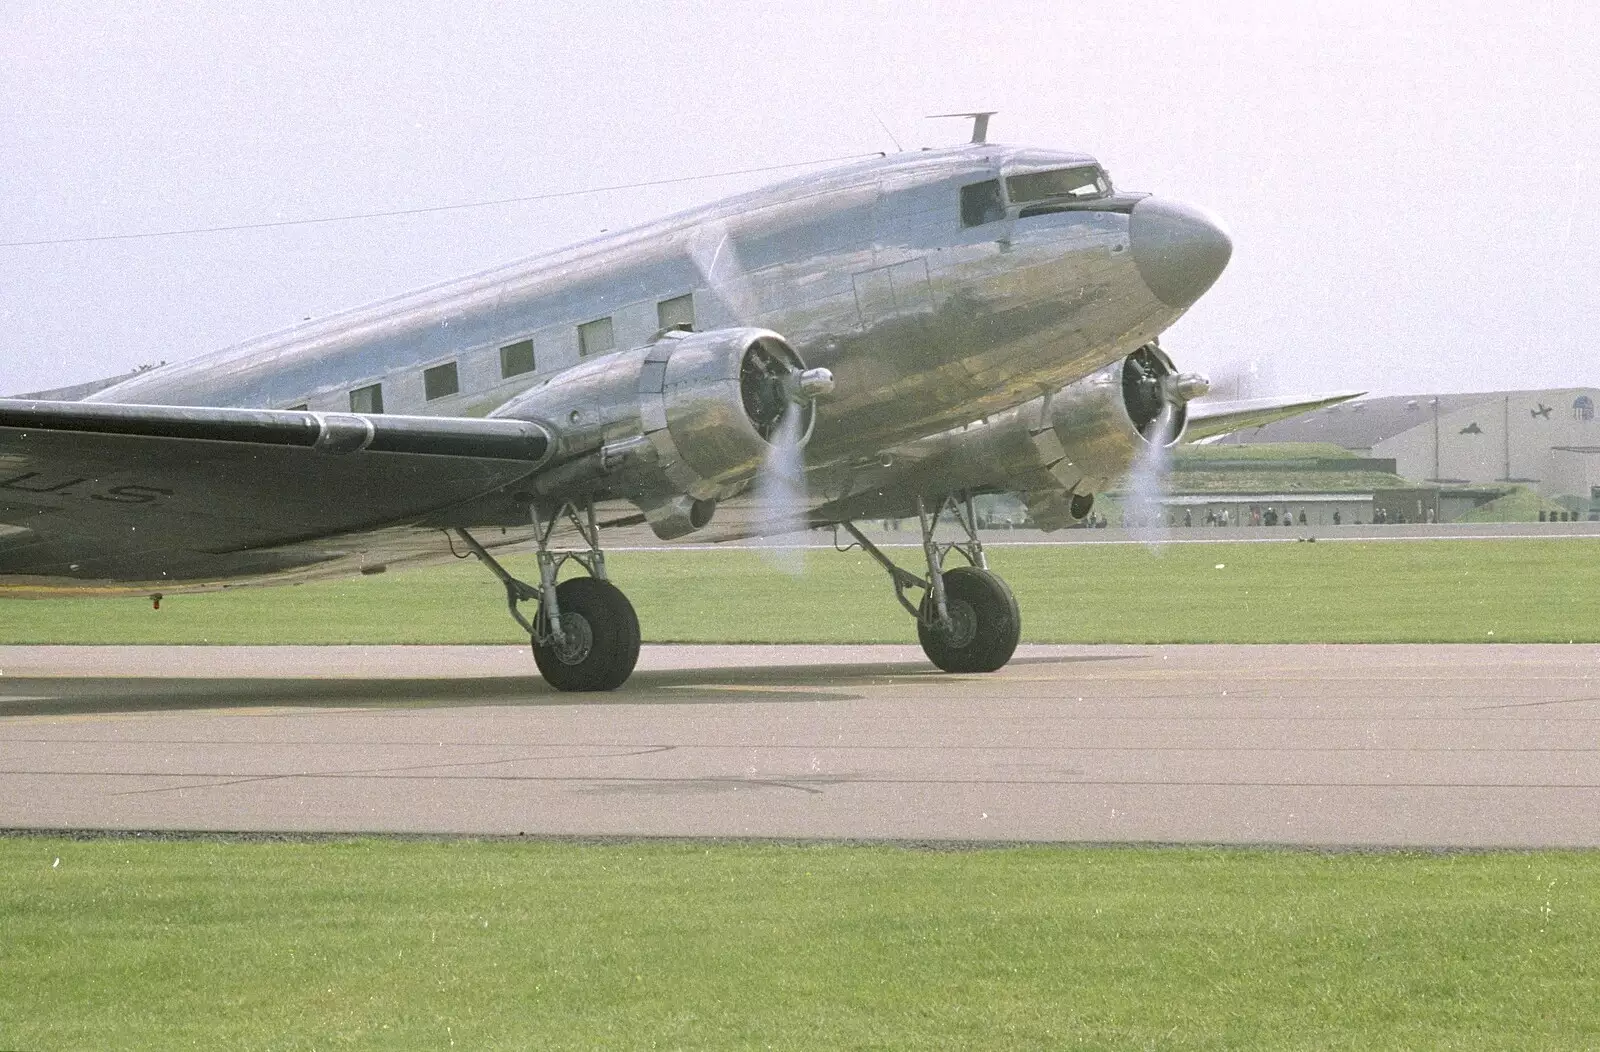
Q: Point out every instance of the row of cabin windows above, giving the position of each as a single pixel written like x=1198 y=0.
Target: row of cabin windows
x=594 y=337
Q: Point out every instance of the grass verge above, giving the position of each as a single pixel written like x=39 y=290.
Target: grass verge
x=1345 y=592
x=393 y=944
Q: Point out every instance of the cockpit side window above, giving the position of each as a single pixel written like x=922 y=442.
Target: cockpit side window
x=1082 y=183
x=981 y=203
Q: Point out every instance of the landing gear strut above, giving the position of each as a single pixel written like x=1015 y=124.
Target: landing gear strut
x=967 y=619
x=585 y=633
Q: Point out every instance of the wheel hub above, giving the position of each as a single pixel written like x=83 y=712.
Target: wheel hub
x=963 y=623
x=577 y=639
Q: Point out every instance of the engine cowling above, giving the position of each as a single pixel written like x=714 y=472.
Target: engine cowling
x=1100 y=423
x=1057 y=451
x=679 y=423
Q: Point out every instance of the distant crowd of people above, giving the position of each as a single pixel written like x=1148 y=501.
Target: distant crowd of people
x=1137 y=518
x=1267 y=516
x=1287 y=516
x=1141 y=517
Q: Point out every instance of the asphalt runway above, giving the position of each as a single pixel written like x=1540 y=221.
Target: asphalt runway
x=1440 y=746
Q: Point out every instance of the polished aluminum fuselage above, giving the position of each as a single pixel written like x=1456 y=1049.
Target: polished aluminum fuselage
x=866 y=270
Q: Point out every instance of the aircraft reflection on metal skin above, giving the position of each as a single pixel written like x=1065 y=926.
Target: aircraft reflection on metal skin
x=928 y=325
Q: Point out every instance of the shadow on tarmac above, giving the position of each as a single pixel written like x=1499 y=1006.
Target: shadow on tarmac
x=776 y=683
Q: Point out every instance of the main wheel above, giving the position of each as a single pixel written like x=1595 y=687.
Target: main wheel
x=984 y=623
x=601 y=633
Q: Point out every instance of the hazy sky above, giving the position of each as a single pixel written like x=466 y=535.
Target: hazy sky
x=1409 y=186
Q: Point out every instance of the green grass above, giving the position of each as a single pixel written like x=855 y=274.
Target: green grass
x=1263 y=451
x=393 y=945
x=1199 y=479
x=1519 y=505
x=1279 y=467
x=1346 y=592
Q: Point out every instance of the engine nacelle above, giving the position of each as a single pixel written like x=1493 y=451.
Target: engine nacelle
x=1057 y=451
x=679 y=423
x=1100 y=423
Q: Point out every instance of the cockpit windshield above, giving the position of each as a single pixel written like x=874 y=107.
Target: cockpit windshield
x=1081 y=183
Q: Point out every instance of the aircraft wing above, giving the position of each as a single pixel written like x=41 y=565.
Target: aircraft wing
x=1210 y=419
x=1004 y=454
x=98 y=491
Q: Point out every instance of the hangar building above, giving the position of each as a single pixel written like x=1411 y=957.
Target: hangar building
x=1548 y=440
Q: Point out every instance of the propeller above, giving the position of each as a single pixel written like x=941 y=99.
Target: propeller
x=1147 y=480
x=780 y=493
x=717 y=259
x=1155 y=396
x=774 y=393
x=1243 y=378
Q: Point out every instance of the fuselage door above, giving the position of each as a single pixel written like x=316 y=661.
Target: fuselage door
x=874 y=295
x=893 y=291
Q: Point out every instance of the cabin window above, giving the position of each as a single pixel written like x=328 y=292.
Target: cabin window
x=596 y=337
x=980 y=203
x=440 y=381
x=516 y=358
x=301 y=408
x=678 y=312
x=1082 y=183
x=367 y=399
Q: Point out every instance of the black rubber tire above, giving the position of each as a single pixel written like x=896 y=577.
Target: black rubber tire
x=613 y=630
x=983 y=605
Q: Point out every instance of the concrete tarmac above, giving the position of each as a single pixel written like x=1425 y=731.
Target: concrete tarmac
x=1439 y=746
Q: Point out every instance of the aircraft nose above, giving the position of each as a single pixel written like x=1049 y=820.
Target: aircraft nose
x=1179 y=250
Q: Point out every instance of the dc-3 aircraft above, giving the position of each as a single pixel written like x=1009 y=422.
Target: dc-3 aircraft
x=903 y=332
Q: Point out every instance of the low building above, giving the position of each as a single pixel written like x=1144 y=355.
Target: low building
x=1258 y=485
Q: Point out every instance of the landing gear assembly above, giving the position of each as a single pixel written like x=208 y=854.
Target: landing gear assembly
x=585 y=633
x=967 y=619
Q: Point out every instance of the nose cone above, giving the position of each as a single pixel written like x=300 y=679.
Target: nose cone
x=1179 y=250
